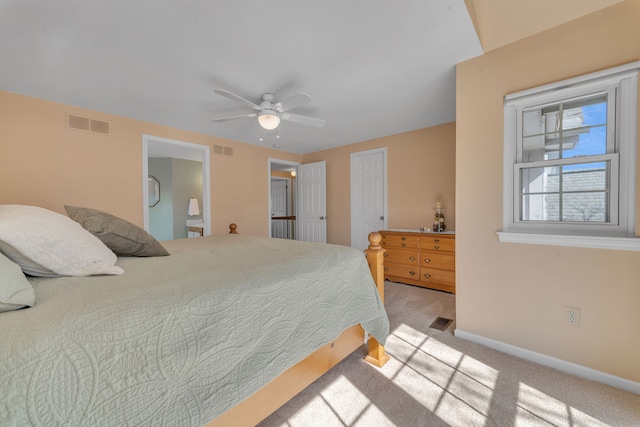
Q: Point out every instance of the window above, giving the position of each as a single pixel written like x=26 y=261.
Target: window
x=570 y=150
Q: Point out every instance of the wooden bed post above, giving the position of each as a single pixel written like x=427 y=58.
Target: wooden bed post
x=375 y=258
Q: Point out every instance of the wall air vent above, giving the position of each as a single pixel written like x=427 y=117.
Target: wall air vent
x=77 y=122
x=219 y=149
x=100 y=126
x=84 y=123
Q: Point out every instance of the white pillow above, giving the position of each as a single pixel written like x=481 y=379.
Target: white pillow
x=15 y=291
x=54 y=242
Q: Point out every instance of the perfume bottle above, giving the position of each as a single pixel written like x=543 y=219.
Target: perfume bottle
x=438 y=220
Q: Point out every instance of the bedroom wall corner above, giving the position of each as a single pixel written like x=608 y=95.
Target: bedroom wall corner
x=420 y=172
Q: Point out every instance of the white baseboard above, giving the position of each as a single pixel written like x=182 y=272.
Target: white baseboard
x=552 y=362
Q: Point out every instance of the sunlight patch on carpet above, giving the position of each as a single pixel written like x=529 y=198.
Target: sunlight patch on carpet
x=535 y=406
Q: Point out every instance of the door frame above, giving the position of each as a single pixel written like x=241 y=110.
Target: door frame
x=384 y=184
x=271 y=161
x=204 y=151
x=302 y=198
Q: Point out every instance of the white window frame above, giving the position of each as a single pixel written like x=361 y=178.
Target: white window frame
x=621 y=132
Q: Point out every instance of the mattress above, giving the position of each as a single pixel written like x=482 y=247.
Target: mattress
x=178 y=340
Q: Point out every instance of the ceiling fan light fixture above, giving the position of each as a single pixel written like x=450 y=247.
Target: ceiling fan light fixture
x=269 y=120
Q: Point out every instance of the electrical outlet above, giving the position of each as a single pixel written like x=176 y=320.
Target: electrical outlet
x=572 y=315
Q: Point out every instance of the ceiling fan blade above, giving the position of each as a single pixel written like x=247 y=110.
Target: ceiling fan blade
x=234 y=97
x=237 y=116
x=295 y=100
x=303 y=120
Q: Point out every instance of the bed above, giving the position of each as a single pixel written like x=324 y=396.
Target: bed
x=188 y=339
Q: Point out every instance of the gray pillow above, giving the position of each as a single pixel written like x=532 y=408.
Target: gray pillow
x=15 y=291
x=122 y=237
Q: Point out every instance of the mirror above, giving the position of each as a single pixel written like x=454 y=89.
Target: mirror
x=154 y=191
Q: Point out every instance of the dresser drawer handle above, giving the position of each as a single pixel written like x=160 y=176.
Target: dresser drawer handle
x=412 y=273
x=411 y=258
x=427 y=275
x=427 y=260
x=386 y=254
x=386 y=269
x=436 y=240
x=436 y=247
x=403 y=238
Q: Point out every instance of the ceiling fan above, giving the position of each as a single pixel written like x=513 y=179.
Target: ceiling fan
x=270 y=110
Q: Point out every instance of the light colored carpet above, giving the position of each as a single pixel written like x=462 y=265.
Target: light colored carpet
x=435 y=379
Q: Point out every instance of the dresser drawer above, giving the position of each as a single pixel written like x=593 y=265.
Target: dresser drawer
x=400 y=270
x=435 y=259
x=401 y=257
x=433 y=275
x=412 y=242
x=436 y=243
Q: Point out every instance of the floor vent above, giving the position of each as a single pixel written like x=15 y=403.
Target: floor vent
x=441 y=323
x=84 y=123
x=219 y=149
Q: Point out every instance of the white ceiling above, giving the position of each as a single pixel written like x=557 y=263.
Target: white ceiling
x=372 y=68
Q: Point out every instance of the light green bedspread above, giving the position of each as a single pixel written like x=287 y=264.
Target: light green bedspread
x=178 y=340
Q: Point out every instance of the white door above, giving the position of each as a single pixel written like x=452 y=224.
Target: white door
x=279 y=190
x=312 y=206
x=368 y=195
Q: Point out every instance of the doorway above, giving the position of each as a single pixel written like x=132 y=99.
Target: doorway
x=283 y=196
x=186 y=174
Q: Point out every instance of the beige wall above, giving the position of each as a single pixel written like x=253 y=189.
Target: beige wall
x=47 y=164
x=420 y=170
x=516 y=293
x=44 y=163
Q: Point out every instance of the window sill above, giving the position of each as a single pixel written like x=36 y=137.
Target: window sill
x=616 y=243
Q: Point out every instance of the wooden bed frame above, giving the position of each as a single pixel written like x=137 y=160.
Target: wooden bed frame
x=281 y=389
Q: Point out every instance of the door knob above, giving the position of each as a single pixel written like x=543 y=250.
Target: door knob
x=382 y=217
x=321 y=217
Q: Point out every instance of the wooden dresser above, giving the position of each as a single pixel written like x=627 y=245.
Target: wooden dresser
x=420 y=258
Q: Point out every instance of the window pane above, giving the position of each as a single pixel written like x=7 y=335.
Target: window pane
x=580 y=207
x=588 y=142
x=539 y=180
x=540 y=207
x=532 y=123
x=584 y=177
x=569 y=129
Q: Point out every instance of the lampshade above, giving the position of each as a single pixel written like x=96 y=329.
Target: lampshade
x=268 y=119
x=194 y=209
